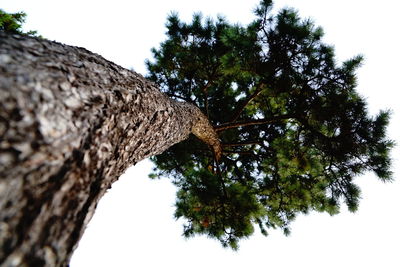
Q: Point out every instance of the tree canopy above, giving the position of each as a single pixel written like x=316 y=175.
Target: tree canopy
x=294 y=131
x=12 y=23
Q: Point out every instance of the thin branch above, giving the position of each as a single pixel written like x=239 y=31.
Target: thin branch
x=208 y=84
x=237 y=152
x=205 y=92
x=230 y=125
x=221 y=179
x=256 y=142
x=246 y=102
x=205 y=89
x=307 y=125
x=179 y=97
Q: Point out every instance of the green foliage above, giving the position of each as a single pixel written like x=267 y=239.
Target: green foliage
x=12 y=23
x=295 y=132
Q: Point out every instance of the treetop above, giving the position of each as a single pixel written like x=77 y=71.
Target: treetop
x=12 y=23
x=294 y=130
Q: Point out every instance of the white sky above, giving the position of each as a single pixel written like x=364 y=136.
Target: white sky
x=134 y=224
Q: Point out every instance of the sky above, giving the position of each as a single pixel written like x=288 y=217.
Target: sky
x=134 y=224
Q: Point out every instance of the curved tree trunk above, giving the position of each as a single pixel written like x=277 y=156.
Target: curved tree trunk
x=71 y=123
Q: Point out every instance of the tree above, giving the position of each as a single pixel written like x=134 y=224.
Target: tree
x=12 y=23
x=294 y=131
x=71 y=123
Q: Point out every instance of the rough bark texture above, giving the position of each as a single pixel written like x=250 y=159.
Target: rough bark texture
x=71 y=123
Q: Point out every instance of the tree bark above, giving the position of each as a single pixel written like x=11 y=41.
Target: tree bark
x=71 y=123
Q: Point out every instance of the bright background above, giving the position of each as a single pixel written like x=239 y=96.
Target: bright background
x=134 y=224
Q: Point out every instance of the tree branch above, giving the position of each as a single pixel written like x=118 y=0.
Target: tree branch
x=230 y=125
x=179 y=97
x=247 y=101
x=255 y=142
x=205 y=89
x=307 y=125
x=203 y=130
x=237 y=152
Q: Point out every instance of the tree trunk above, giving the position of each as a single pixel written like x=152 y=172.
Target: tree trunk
x=71 y=123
